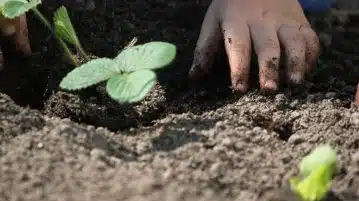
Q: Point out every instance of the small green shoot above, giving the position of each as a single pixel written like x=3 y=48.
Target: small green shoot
x=65 y=30
x=316 y=173
x=129 y=76
x=63 y=26
x=321 y=155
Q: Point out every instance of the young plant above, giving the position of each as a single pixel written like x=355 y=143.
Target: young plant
x=129 y=76
x=65 y=30
x=317 y=170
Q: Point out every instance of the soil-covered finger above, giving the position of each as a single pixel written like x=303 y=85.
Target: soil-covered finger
x=207 y=45
x=21 y=38
x=16 y=32
x=294 y=46
x=201 y=66
x=267 y=48
x=238 y=47
x=313 y=47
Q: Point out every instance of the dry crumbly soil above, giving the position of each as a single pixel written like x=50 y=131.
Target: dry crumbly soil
x=180 y=143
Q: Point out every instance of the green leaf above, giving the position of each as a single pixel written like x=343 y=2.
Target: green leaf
x=2 y=2
x=317 y=171
x=316 y=185
x=88 y=74
x=131 y=87
x=15 y=8
x=63 y=26
x=321 y=155
x=151 y=55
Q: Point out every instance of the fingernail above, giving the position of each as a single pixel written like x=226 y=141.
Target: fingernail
x=296 y=77
x=240 y=87
x=271 y=85
x=238 y=83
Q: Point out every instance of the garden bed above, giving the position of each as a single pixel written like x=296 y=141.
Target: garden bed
x=181 y=142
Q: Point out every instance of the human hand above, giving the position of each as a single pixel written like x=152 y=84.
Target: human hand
x=16 y=29
x=273 y=27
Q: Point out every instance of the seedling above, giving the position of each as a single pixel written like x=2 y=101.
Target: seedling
x=317 y=170
x=129 y=75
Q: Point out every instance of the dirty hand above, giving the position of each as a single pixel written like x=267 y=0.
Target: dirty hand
x=273 y=27
x=16 y=30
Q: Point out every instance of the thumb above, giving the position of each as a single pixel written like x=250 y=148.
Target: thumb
x=16 y=29
x=21 y=38
x=207 y=44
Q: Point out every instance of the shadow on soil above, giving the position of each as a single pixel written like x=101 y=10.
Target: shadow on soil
x=175 y=135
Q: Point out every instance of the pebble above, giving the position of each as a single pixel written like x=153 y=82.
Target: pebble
x=294 y=104
x=280 y=98
x=40 y=145
x=355 y=157
x=97 y=153
x=215 y=169
x=295 y=115
x=227 y=142
x=355 y=119
x=330 y=95
x=295 y=139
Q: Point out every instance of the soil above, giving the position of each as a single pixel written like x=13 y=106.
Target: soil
x=182 y=142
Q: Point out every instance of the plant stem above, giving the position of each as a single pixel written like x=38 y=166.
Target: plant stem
x=82 y=52
x=66 y=49
x=131 y=43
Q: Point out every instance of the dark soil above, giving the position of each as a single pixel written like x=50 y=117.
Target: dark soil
x=181 y=142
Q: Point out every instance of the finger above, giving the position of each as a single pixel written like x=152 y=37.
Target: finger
x=21 y=37
x=294 y=46
x=7 y=26
x=16 y=30
x=207 y=44
x=267 y=48
x=312 y=47
x=238 y=48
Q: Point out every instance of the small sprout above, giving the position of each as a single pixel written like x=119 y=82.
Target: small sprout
x=321 y=155
x=316 y=173
x=315 y=186
x=65 y=30
x=63 y=26
x=129 y=76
